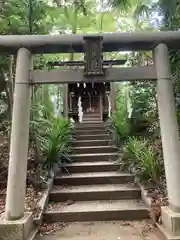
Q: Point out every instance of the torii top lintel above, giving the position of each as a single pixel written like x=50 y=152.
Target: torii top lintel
x=66 y=43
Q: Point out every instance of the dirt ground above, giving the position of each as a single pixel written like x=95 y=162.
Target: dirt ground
x=136 y=230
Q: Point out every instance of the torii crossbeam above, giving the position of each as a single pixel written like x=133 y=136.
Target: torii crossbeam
x=111 y=42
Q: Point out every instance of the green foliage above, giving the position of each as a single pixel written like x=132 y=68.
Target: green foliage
x=121 y=4
x=150 y=165
x=168 y=9
x=144 y=159
x=55 y=142
x=51 y=133
x=136 y=114
x=144 y=109
x=130 y=149
x=120 y=120
x=14 y=17
x=142 y=98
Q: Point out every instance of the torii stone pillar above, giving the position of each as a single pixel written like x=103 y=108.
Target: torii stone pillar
x=16 y=186
x=170 y=138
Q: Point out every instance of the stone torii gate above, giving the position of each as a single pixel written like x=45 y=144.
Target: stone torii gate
x=26 y=46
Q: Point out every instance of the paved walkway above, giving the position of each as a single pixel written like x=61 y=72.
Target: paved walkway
x=106 y=231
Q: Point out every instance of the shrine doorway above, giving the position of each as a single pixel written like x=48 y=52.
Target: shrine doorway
x=93 y=97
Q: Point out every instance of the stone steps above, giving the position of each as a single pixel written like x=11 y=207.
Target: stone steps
x=90 y=132
x=89 y=126
x=94 y=149
x=92 y=114
x=82 y=167
x=97 y=211
x=94 y=157
x=93 y=137
x=92 y=187
x=92 y=122
x=94 y=192
x=91 y=118
x=94 y=178
x=87 y=143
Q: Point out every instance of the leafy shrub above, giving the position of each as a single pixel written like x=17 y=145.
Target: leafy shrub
x=51 y=134
x=55 y=144
x=119 y=123
x=149 y=165
x=143 y=159
x=132 y=148
x=143 y=103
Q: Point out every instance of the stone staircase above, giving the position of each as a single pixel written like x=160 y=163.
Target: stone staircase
x=92 y=188
x=91 y=117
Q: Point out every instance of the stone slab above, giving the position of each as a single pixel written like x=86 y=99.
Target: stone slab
x=83 y=211
x=17 y=229
x=113 y=230
x=44 y=202
x=171 y=220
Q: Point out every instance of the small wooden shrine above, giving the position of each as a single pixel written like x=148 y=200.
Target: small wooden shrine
x=95 y=95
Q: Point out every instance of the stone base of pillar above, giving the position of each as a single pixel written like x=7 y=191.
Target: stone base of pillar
x=170 y=226
x=16 y=229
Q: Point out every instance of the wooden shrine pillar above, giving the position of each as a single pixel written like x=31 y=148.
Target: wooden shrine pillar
x=101 y=106
x=113 y=96
x=65 y=102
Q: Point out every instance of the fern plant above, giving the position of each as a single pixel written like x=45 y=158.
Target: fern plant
x=143 y=159
x=55 y=145
x=50 y=132
x=150 y=166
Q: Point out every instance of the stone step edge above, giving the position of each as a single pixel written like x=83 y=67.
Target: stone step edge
x=90 y=141
x=90 y=147
x=92 y=216
x=87 y=135
x=86 y=211
x=100 y=163
x=89 y=125
x=107 y=205
x=93 y=154
x=69 y=191
x=98 y=175
x=95 y=131
x=95 y=211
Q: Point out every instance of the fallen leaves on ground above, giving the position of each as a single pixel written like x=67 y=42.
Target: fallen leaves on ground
x=31 y=201
x=47 y=229
x=4 y=155
x=33 y=193
x=2 y=200
x=126 y=224
x=157 y=193
x=144 y=228
x=54 y=206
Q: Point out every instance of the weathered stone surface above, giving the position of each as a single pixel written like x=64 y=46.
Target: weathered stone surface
x=16 y=230
x=171 y=220
x=136 y=230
